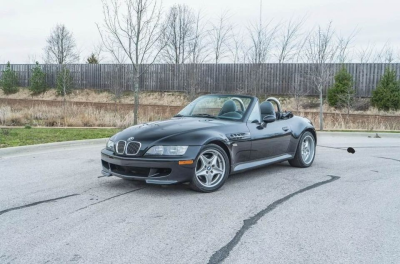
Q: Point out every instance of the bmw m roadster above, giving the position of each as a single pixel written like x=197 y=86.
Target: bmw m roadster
x=212 y=137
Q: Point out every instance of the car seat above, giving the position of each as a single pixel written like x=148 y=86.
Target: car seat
x=229 y=109
x=266 y=108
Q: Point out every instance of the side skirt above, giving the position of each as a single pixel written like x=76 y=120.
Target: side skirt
x=259 y=163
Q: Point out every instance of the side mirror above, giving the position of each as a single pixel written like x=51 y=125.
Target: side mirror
x=269 y=119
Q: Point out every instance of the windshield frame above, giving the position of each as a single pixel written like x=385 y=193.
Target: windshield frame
x=244 y=118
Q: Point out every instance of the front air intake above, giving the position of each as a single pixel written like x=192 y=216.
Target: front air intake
x=132 y=148
x=120 y=149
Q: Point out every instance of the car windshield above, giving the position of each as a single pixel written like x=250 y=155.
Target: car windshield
x=217 y=106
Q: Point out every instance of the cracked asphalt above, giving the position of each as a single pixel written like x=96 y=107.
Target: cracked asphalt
x=344 y=209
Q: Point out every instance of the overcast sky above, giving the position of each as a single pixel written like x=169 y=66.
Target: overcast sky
x=25 y=25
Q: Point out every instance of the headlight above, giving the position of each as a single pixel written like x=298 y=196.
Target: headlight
x=167 y=150
x=110 y=145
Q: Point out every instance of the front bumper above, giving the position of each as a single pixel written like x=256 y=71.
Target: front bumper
x=155 y=170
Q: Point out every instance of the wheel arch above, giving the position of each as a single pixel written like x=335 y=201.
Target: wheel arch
x=312 y=131
x=225 y=148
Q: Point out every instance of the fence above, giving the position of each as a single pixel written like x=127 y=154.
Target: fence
x=269 y=78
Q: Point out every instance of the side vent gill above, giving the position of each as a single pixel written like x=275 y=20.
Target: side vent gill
x=239 y=136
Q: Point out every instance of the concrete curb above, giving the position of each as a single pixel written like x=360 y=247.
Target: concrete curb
x=23 y=150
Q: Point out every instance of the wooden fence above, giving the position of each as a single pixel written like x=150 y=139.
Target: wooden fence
x=268 y=79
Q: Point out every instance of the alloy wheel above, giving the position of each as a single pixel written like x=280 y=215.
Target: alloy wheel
x=210 y=168
x=308 y=149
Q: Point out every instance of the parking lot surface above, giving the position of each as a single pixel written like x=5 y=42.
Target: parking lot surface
x=54 y=208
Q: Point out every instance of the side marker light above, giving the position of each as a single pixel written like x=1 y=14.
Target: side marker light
x=185 y=162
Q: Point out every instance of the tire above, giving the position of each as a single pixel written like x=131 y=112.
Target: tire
x=210 y=174
x=300 y=160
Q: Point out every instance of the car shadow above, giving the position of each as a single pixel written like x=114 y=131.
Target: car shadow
x=184 y=188
x=262 y=172
x=124 y=184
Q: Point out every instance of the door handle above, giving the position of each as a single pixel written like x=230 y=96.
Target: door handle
x=285 y=129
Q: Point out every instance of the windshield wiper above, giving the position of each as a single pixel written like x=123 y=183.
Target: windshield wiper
x=178 y=115
x=204 y=115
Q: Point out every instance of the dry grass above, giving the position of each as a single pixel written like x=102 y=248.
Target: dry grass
x=90 y=116
x=74 y=116
x=343 y=122
x=87 y=95
x=312 y=104
x=179 y=99
x=87 y=116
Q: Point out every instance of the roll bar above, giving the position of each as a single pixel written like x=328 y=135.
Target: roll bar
x=276 y=101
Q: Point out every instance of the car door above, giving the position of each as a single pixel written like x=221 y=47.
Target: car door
x=268 y=141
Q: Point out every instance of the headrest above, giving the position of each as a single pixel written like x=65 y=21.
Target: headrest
x=229 y=106
x=267 y=108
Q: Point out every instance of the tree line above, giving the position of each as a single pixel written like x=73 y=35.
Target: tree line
x=180 y=34
x=141 y=32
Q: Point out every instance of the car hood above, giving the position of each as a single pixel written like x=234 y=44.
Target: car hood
x=150 y=133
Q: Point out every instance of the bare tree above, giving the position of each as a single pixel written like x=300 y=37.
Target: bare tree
x=220 y=36
x=343 y=45
x=321 y=51
x=32 y=59
x=116 y=77
x=237 y=48
x=199 y=48
x=118 y=55
x=298 y=91
x=61 y=47
x=288 y=41
x=261 y=37
x=385 y=55
x=364 y=55
x=134 y=28
x=199 y=52
x=180 y=25
x=64 y=87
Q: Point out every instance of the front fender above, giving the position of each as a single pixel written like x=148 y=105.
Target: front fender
x=301 y=124
x=298 y=126
x=201 y=138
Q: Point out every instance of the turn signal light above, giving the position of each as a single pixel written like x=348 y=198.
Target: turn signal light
x=185 y=162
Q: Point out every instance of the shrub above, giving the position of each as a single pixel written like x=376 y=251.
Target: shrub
x=9 y=80
x=64 y=82
x=387 y=94
x=92 y=59
x=38 y=80
x=341 y=93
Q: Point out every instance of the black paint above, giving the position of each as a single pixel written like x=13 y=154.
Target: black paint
x=279 y=138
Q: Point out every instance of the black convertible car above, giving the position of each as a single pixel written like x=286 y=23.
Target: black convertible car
x=211 y=138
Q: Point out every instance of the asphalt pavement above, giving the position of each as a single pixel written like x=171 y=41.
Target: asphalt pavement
x=54 y=208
